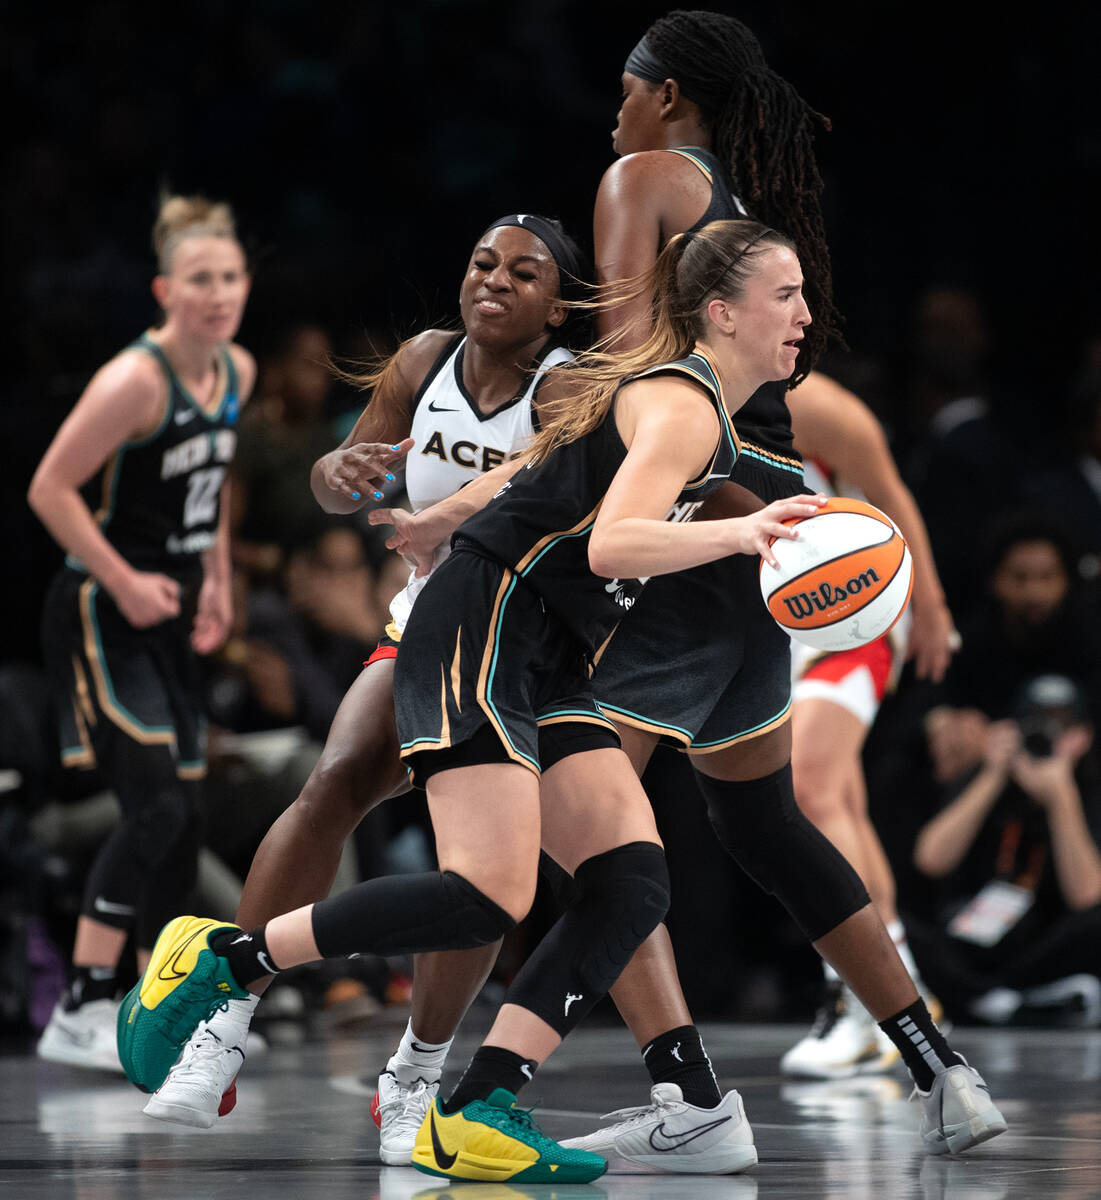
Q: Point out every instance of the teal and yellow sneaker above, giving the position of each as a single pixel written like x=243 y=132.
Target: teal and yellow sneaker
x=182 y=986
x=493 y=1139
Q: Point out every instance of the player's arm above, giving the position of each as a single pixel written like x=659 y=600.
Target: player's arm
x=832 y=423
x=627 y=238
x=671 y=429
x=124 y=401
x=347 y=478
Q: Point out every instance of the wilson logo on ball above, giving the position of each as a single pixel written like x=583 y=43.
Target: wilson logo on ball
x=844 y=581
x=828 y=596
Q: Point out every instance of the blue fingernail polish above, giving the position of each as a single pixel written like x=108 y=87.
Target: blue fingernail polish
x=395 y=447
x=355 y=495
x=389 y=478
x=378 y=495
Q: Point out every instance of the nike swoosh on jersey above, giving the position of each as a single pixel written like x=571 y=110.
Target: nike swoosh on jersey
x=661 y=1141
x=432 y=407
x=443 y=1160
x=182 y=418
x=109 y=906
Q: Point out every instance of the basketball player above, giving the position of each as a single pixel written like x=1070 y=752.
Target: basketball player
x=835 y=698
x=706 y=128
x=703 y=120
x=145 y=586
x=491 y=688
x=466 y=402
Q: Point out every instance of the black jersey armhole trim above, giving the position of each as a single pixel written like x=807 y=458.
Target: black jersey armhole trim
x=520 y=395
x=436 y=367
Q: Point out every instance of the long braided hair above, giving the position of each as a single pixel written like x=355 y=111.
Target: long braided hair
x=762 y=131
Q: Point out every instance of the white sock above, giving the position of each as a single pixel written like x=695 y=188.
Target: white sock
x=415 y=1059
x=898 y=936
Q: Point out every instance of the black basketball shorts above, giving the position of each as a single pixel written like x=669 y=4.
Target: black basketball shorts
x=480 y=653
x=698 y=660
x=112 y=681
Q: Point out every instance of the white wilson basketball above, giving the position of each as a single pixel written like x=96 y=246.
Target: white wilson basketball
x=844 y=581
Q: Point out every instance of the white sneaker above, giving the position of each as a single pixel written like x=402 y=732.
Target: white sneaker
x=669 y=1134
x=841 y=1043
x=85 y=1037
x=958 y=1112
x=202 y=1086
x=399 y=1110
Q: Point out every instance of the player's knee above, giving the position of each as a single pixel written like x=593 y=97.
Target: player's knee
x=760 y=825
x=485 y=919
x=623 y=895
x=167 y=827
x=345 y=784
x=819 y=797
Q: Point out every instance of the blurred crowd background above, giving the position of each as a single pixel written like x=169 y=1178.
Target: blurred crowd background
x=363 y=147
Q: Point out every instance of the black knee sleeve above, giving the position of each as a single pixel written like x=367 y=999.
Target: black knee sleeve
x=407 y=914
x=763 y=829
x=621 y=896
x=148 y=866
x=558 y=880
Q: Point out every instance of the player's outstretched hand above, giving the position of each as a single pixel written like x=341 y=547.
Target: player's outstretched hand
x=360 y=472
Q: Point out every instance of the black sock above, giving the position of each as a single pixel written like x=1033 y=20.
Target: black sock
x=679 y=1057
x=921 y=1044
x=491 y=1067
x=246 y=953
x=87 y=984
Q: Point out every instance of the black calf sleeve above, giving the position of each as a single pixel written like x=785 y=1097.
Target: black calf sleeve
x=762 y=828
x=621 y=896
x=406 y=914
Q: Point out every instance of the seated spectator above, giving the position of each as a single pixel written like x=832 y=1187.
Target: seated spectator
x=1015 y=855
x=1033 y=622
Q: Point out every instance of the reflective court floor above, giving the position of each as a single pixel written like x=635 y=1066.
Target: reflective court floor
x=301 y=1127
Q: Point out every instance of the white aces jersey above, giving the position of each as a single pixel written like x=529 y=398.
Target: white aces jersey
x=456 y=442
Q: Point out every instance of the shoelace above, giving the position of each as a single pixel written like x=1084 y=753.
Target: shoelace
x=635 y=1115
x=204 y=1049
x=409 y=1093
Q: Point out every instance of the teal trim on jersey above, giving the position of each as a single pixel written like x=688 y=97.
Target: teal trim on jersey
x=493 y=667
x=685 y=366
x=687 y=152
x=694 y=745
x=229 y=393
x=92 y=593
x=772 y=462
x=426 y=741
x=648 y=720
x=550 y=546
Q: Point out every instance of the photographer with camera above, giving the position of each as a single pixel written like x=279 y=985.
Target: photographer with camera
x=1015 y=853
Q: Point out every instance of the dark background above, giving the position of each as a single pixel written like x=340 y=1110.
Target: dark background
x=364 y=146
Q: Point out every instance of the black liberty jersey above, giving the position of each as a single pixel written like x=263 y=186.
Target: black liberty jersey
x=763 y=422
x=162 y=493
x=539 y=523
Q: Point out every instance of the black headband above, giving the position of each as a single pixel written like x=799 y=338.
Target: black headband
x=644 y=63
x=571 y=270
